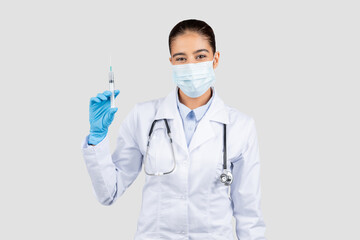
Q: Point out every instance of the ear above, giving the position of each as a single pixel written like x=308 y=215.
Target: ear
x=217 y=56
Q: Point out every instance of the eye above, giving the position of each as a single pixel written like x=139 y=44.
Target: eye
x=202 y=56
x=179 y=59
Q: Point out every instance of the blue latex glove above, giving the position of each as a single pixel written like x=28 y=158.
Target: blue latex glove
x=101 y=116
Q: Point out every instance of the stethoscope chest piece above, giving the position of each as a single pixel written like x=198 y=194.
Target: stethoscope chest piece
x=226 y=177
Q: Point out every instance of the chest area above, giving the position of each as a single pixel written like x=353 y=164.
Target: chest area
x=170 y=165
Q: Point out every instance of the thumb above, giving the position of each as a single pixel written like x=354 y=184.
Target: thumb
x=116 y=92
x=109 y=117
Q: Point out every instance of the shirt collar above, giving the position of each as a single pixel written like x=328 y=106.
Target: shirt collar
x=199 y=111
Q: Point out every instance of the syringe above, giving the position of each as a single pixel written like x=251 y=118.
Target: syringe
x=111 y=86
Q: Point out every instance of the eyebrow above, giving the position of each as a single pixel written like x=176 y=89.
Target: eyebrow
x=200 y=50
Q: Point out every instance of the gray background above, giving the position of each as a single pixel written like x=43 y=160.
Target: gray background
x=292 y=65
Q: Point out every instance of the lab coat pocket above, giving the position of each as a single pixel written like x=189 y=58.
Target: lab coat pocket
x=221 y=205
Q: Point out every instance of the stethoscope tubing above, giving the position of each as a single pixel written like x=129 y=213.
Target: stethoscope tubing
x=148 y=144
x=226 y=176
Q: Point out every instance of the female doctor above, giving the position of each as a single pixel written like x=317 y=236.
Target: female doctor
x=200 y=156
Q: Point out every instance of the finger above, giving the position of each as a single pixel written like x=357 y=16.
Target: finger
x=116 y=92
x=94 y=100
x=102 y=96
x=107 y=93
x=113 y=110
x=110 y=115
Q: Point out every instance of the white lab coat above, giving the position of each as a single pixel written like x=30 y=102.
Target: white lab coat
x=190 y=202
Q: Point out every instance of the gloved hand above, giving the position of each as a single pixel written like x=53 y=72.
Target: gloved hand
x=101 y=116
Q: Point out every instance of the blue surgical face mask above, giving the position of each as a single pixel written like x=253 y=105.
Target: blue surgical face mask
x=194 y=79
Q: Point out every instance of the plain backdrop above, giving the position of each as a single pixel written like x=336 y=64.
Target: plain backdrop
x=292 y=65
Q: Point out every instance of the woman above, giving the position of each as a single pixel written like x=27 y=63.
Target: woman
x=188 y=176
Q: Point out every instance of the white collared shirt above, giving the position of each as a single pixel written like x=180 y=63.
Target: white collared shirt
x=190 y=118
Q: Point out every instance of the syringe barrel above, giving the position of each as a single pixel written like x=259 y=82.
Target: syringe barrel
x=112 y=89
x=111 y=76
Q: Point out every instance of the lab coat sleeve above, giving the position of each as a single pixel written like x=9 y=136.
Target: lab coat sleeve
x=112 y=174
x=245 y=189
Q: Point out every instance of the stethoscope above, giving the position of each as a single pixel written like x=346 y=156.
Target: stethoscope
x=226 y=176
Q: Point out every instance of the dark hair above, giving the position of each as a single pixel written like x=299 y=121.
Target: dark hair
x=193 y=25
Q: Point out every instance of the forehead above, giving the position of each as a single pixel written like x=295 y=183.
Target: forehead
x=189 y=42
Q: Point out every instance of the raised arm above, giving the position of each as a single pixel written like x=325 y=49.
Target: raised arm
x=112 y=174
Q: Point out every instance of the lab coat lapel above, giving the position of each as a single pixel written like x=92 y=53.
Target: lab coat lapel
x=168 y=109
x=204 y=130
x=217 y=111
